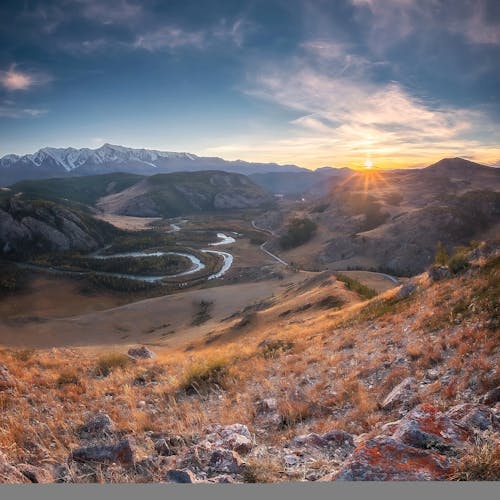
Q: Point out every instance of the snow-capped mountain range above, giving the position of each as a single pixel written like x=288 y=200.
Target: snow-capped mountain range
x=61 y=162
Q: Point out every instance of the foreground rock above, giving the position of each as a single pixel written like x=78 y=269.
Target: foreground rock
x=121 y=452
x=385 y=459
x=9 y=474
x=141 y=353
x=181 y=476
x=235 y=437
x=426 y=427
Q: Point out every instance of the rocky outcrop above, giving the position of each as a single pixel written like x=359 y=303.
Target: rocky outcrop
x=387 y=459
x=141 y=353
x=42 y=226
x=6 y=379
x=401 y=396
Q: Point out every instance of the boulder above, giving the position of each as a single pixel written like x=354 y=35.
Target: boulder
x=330 y=439
x=6 y=379
x=226 y=461
x=268 y=405
x=121 y=452
x=141 y=353
x=491 y=397
x=168 y=445
x=99 y=424
x=235 y=437
x=385 y=459
x=401 y=395
x=181 y=476
x=474 y=417
x=426 y=427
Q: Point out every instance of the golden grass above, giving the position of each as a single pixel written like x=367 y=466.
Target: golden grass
x=326 y=371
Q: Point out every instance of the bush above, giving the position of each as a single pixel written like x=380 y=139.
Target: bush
x=299 y=231
x=481 y=464
x=356 y=286
x=205 y=376
x=68 y=378
x=110 y=362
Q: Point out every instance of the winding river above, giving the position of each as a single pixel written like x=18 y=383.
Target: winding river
x=196 y=264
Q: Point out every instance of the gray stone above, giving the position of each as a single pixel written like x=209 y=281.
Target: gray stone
x=141 y=353
x=401 y=395
x=121 y=452
x=181 y=476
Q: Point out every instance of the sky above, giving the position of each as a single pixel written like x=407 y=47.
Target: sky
x=393 y=83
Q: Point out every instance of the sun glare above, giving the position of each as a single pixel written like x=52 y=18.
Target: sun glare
x=368 y=164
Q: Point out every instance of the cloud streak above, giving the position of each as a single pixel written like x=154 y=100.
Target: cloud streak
x=343 y=115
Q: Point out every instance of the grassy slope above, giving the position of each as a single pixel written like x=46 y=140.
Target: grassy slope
x=328 y=369
x=85 y=190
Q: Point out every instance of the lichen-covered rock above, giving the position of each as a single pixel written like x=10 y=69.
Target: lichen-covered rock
x=10 y=474
x=141 y=353
x=184 y=476
x=426 y=427
x=121 y=452
x=474 y=417
x=385 y=459
x=401 y=395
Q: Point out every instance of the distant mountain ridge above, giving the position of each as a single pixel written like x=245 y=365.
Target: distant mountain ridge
x=62 y=162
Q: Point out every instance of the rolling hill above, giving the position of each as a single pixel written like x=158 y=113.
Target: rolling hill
x=169 y=195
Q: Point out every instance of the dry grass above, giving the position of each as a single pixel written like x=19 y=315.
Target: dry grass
x=326 y=370
x=482 y=463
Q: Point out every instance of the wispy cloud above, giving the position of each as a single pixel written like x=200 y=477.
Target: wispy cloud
x=8 y=109
x=170 y=37
x=390 y=21
x=343 y=115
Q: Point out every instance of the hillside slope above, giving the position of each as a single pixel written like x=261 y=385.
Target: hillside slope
x=404 y=386
x=33 y=226
x=169 y=195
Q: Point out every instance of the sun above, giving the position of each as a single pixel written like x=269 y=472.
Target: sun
x=368 y=164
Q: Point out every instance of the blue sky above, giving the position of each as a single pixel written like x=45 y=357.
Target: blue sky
x=394 y=82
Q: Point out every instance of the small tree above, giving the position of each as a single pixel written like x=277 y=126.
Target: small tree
x=442 y=256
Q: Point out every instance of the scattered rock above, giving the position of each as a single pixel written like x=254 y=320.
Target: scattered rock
x=98 y=425
x=385 y=459
x=268 y=405
x=228 y=461
x=121 y=452
x=426 y=427
x=490 y=398
x=9 y=474
x=438 y=273
x=401 y=395
x=407 y=289
x=6 y=379
x=473 y=417
x=37 y=474
x=333 y=438
x=223 y=479
x=141 y=353
x=181 y=476
x=236 y=437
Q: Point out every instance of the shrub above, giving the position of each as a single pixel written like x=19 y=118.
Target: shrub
x=356 y=286
x=205 y=376
x=273 y=348
x=481 y=464
x=68 y=377
x=110 y=362
x=442 y=256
